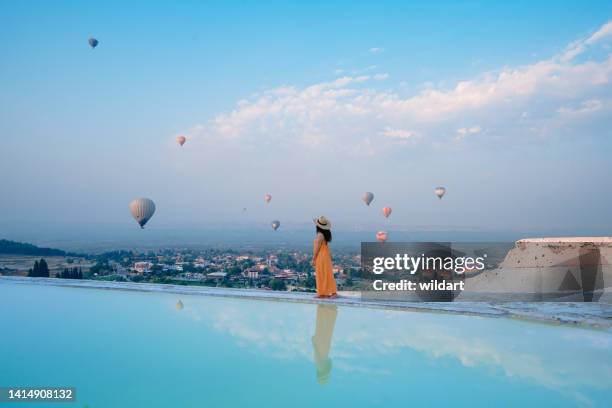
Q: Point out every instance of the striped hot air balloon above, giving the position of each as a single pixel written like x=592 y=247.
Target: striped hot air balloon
x=142 y=210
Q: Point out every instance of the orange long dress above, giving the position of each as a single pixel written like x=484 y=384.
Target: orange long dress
x=326 y=284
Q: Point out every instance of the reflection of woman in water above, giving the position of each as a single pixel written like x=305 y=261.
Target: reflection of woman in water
x=321 y=341
x=321 y=260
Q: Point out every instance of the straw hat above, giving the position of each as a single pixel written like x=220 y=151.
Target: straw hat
x=322 y=223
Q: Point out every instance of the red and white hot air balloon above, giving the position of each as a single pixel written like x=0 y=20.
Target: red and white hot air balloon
x=387 y=211
x=267 y=197
x=181 y=140
x=381 y=236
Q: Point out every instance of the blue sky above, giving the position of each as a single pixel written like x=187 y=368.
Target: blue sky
x=507 y=105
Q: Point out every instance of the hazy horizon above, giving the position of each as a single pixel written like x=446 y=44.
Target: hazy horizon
x=103 y=237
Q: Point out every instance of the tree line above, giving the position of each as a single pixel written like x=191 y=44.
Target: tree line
x=40 y=269
x=70 y=273
x=22 y=248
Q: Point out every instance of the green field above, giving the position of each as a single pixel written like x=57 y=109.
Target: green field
x=20 y=264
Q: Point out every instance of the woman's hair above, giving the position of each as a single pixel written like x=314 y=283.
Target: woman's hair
x=326 y=234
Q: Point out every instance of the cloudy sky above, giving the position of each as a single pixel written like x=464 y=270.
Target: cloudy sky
x=506 y=105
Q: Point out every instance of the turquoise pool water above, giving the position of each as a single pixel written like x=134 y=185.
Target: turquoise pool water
x=133 y=349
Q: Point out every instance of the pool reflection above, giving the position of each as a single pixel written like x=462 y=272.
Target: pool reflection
x=322 y=340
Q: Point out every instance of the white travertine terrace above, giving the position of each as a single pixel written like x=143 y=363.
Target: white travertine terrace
x=552 y=267
x=568 y=240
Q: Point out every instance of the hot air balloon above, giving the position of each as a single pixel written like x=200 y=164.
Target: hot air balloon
x=93 y=43
x=387 y=211
x=181 y=140
x=142 y=210
x=179 y=305
x=381 y=236
x=367 y=197
x=267 y=197
x=275 y=224
x=440 y=191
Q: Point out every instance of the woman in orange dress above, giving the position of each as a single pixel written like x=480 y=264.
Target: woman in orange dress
x=321 y=260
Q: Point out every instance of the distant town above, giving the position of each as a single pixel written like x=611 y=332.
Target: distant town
x=281 y=269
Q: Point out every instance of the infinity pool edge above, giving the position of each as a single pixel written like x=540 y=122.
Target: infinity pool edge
x=592 y=315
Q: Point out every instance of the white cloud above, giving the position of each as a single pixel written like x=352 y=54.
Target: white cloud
x=376 y=50
x=604 y=32
x=399 y=133
x=578 y=47
x=348 y=112
x=465 y=131
x=468 y=131
x=590 y=106
x=381 y=77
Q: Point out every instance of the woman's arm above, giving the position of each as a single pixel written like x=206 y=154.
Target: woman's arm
x=317 y=248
